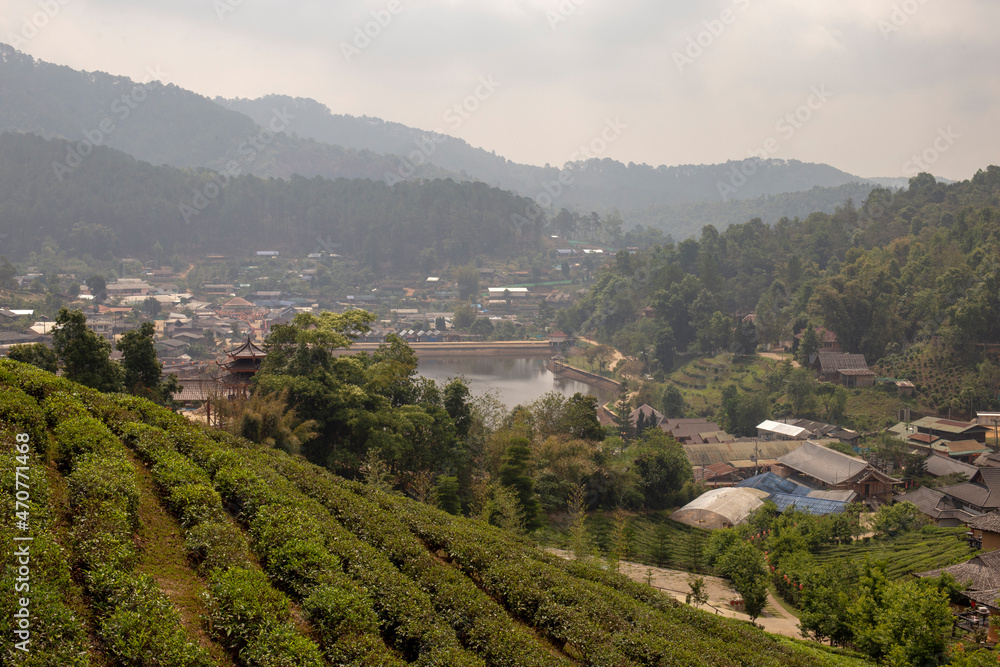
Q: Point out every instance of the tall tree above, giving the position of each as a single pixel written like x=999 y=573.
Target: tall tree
x=85 y=356
x=142 y=370
x=745 y=566
x=808 y=346
x=663 y=468
x=515 y=473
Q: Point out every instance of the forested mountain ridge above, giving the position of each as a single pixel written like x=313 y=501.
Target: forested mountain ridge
x=279 y=136
x=905 y=267
x=111 y=204
x=164 y=124
x=598 y=184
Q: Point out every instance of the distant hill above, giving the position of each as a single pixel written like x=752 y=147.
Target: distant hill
x=279 y=136
x=165 y=124
x=113 y=205
x=597 y=184
x=687 y=220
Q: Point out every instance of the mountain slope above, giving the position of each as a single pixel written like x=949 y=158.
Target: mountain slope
x=600 y=184
x=380 y=579
x=164 y=124
x=112 y=203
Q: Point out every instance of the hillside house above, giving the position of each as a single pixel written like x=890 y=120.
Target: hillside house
x=771 y=430
x=951 y=429
x=982 y=573
x=938 y=465
x=980 y=494
x=848 y=370
x=817 y=466
x=650 y=416
x=985 y=531
x=939 y=507
x=694 y=431
x=125 y=287
x=966 y=451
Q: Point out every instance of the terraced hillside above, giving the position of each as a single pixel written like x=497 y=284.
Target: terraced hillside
x=148 y=540
x=701 y=380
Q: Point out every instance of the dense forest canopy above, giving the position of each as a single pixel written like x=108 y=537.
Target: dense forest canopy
x=904 y=266
x=114 y=204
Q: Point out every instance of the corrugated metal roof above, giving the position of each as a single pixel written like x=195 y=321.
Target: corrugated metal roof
x=840 y=495
x=783 y=429
x=946 y=425
x=724 y=452
x=834 y=362
x=826 y=465
x=772 y=483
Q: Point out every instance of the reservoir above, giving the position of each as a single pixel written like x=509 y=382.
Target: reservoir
x=514 y=380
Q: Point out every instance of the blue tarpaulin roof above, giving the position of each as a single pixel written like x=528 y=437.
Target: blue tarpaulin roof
x=785 y=493
x=818 y=506
x=772 y=483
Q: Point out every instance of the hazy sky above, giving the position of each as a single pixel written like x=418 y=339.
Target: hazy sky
x=864 y=85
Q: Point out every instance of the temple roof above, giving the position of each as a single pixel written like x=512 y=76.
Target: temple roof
x=247 y=351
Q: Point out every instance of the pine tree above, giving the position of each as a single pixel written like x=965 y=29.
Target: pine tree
x=515 y=473
x=808 y=346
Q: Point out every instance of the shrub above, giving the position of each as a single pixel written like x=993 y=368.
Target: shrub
x=107 y=479
x=216 y=545
x=139 y=624
x=82 y=435
x=335 y=612
x=20 y=409
x=281 y=646
x=195 y=503
x=241 y=604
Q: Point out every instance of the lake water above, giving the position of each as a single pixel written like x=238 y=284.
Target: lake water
x=515 y=380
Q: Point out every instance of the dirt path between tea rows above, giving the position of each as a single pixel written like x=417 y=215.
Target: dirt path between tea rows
x=675 y=584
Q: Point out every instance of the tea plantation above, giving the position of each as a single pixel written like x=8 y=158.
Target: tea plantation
x=262 y=559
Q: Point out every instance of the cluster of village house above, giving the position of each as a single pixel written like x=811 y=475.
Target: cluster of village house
x=790 y=464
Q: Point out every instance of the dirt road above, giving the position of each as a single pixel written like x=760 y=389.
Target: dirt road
x=675 y=583
x=779 y=357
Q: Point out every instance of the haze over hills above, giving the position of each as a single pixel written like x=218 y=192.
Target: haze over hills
x=163 y=124
x=112 y=205
x=279 y=136
x=594 y=183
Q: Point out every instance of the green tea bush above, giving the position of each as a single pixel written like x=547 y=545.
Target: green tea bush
x=105 y=479
x=139 y=625
x=22 y=411
x=83 y=435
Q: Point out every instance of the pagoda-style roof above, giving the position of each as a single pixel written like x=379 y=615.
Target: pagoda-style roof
x=242 y=366
x=244 y=360
x=247 y=351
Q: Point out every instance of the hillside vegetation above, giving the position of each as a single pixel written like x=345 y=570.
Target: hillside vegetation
x=113 y=206
x=909 y=277
x=593 y=183
x=297 y=566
